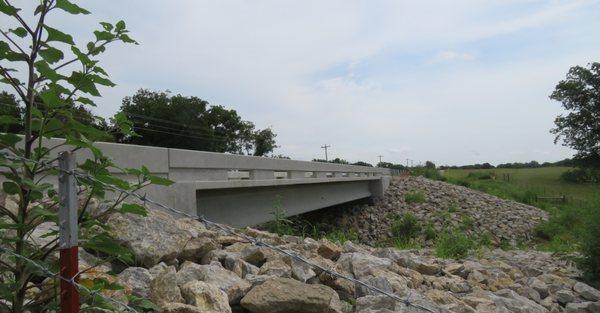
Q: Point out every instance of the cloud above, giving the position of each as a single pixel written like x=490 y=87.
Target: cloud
x=369 y=78
x=448 y=55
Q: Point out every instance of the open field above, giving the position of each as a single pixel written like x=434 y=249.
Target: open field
x=564 y=230
x=544 y=181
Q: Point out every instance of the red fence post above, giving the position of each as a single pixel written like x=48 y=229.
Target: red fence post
x=67 y=217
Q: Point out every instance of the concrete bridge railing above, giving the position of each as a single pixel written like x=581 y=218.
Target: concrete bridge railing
x=242 y=190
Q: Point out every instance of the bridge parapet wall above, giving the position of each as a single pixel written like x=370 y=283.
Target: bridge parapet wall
x=199 y=175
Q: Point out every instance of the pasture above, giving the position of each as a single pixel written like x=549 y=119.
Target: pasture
x=534 y=186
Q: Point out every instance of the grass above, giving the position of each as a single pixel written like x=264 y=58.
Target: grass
x=414 y=197
x=453 y=245
x=566 y=226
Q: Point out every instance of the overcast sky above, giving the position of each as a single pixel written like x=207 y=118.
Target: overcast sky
x=455 y=82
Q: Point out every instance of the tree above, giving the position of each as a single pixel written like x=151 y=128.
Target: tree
x=362 y=163
x=429 y=164
x=177 y=121
x=579 y=129
x=10 y=110
x=53 y=79
x=264 y=142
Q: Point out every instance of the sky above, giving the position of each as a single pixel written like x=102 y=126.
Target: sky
x=454 y=82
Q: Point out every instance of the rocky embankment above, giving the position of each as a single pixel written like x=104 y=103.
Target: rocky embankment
x=186 y=268
x=445 y=206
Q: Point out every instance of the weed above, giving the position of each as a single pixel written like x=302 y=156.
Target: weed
x=453 y=208
x=467 y=222
x=430 y=232
x=453 y=244
x=280 y=224
x=405 y=228
x=405 y=244
x=342 y=236
x=414 y=197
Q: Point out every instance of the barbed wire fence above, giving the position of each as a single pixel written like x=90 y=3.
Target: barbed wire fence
x=224 y=228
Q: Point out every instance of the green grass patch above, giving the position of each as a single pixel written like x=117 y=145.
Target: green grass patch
x=405 y=228
x=414 y=197
x=453 y=245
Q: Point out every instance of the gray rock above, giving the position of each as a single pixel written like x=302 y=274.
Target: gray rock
x=152 y=238
x=178 y=308
x=587 y=292
x=234 y=286
x=284 y=295
x=164 y=289
x=138 y=279
x=206 y=297
x=564 y=296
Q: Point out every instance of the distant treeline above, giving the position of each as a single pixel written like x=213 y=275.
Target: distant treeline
x=531 y=164
x=342 y=161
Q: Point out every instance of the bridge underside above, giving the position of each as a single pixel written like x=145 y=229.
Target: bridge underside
x=254 y=205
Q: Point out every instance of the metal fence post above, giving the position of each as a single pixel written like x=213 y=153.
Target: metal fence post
x=69 y=263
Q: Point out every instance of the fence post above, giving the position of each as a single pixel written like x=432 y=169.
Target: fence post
x=69 y=263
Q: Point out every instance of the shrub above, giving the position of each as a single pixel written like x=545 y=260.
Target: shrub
x=405 y=228
x=453 y=244
x=582 y=175
x=590 y=248
x=481 y=175
x=414 y=197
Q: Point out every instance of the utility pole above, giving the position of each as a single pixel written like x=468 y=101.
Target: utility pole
x=406 y=162
x=380 y=156
x=325 y=147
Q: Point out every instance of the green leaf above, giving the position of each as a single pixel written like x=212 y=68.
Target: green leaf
x=56 y=35
x=85 y=100
x=105 y=244
x=15 y=56
x=7 y=8
x=103 y=35
x=11 y=188
x=19 y=31
x=8 y=120
x=157 y=180
x=133 y=209
x=46 y=71
x=101 y=80
x=125 y=38
x=83 y=83
x=9 y=139
x=120 y=26
x=98 y=69
x=107 y=26
x=51 y=96
x=70 y=7
x=51 y=55
x=81 y=56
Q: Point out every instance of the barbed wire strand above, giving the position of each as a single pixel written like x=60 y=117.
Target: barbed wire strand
x=71 y=281
x=229 y=230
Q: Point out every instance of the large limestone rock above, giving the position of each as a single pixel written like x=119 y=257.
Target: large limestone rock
x=178 y=308
x=214 y=274
x=284 y=295
x=206 y=297
x=587 y=292
x=138 y=279
x=152 y=238
x=164 y=289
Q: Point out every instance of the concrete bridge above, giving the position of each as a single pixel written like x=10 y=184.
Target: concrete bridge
x=243 y=190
